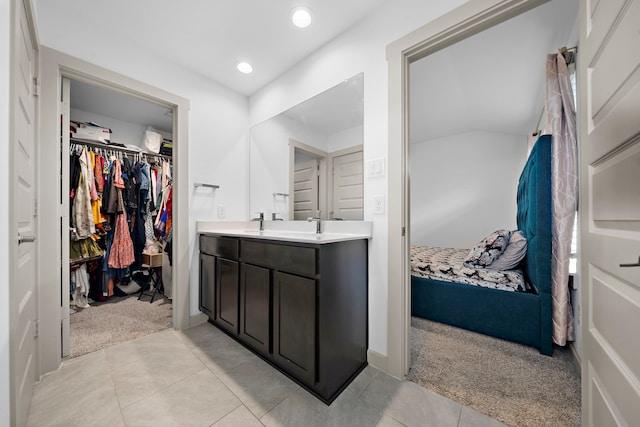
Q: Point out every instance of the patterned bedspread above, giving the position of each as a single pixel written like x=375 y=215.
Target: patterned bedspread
x=446 y=264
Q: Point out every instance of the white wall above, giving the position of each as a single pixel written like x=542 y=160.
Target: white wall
x=123 y=132
x=269 y=162
x=361 y=49
x=463 y=187
x=344 y=139
x=5 y=36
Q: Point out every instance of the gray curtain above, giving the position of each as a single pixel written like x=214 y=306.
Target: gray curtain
x=561 y=124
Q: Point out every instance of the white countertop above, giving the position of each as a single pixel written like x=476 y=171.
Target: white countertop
x=290 y=231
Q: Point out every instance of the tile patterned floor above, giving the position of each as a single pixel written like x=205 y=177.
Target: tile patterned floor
x=201 y=377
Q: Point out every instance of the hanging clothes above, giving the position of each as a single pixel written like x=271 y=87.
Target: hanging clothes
x=82 y=209
x=121 y=254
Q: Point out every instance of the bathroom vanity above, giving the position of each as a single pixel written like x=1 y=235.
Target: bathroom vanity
x=298 y=300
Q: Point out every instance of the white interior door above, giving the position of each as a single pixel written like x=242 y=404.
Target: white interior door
x=348 y=187
x=609 y=61
x=23 y=263
x=305 y=189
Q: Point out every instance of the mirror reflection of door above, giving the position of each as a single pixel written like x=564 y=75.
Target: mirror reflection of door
x=347 y=186
x=306 y=185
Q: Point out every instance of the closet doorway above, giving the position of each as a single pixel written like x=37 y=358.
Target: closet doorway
x=120 y=178
x=54 y=200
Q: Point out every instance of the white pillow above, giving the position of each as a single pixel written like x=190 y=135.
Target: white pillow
x=513 y=254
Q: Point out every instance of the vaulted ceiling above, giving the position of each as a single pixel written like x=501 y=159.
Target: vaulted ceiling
x=493 y=81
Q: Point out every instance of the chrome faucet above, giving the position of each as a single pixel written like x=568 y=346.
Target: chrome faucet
x=274 y=217
x=261 y=219
x=318 y=220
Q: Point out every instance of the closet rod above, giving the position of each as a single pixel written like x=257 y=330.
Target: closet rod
x=115 y=147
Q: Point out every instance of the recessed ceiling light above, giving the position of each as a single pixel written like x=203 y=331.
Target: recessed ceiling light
x=301 y=17
x=244 y=67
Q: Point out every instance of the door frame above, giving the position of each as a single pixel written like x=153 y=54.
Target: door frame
x=53 y=200
x=294 y=146
x=330 y=181
x=458 y=24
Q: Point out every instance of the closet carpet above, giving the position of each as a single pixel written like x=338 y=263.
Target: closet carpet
x=510 y=382
x=117 y=320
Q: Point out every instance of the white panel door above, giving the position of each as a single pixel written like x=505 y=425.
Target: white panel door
x=23 y=250
x=305 y=189
x=348 y=187
x=609 y=76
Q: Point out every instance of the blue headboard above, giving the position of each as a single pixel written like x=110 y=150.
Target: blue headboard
x=534 y=214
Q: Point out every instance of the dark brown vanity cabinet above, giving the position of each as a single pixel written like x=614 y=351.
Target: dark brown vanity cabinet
x=227 y=287
x=207 y=278
x=255 y=307
x=301 y=306
x=294 y=321
x=220 y=281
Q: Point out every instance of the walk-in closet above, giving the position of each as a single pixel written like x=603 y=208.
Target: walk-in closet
x=119 y=177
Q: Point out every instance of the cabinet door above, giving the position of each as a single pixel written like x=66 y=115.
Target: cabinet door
x=207 y=284
x=294 y=325
x=255 y=307
x=227 y=291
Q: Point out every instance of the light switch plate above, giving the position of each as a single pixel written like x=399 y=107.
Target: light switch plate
x=378 y=205
x=375 y=168
x=221 y=212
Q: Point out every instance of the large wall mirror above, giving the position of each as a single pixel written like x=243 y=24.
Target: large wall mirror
x=307 y=161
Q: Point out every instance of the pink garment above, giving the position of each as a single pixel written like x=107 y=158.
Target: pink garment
x=121 y=254
x=117 y=174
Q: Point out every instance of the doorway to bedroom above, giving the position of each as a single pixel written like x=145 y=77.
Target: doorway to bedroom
x=472 y=108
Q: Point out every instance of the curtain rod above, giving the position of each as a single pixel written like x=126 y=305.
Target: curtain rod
x=568 y=53
x=563 y=50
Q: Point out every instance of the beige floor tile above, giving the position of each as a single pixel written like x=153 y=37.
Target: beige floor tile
x=472 y=418
x=411 y=404
x=200 y=334
x=159 y=345
x=302 y=409
x=80 y=393
x=387 y=421
x=259 y=386
x=139 y=379
x=362 y=380
x=201 y=377
x=198 y=400
x=222 y=355
x=241 y=417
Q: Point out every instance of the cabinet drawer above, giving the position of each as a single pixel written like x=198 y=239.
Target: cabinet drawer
x=219 y=246
x=292 y=259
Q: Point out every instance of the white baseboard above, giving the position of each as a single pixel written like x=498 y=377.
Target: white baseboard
x=576 y=356
x=196 y=319
x=377 y=360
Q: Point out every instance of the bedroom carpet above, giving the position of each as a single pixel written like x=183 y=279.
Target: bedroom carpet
x=510 y=382
x=117 y=320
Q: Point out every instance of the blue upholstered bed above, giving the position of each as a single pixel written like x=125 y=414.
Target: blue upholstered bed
x=522 y=317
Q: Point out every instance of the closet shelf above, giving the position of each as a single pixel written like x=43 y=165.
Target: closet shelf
x=108 y=146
